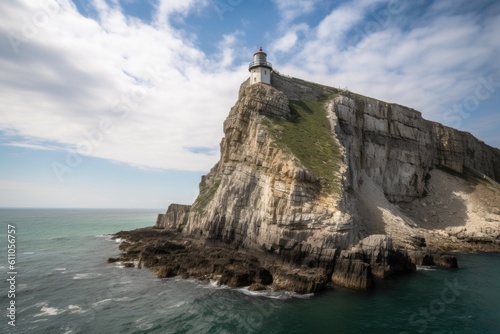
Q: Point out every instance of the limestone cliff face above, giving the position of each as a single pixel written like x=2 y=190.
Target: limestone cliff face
x=260 y=196
x=266 y=195
x=397 y=148
x=176 y=216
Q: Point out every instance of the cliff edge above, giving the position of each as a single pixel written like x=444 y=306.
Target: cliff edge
x=316 y=184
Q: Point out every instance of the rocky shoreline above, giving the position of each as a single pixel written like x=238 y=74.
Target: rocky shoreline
x=169 y=253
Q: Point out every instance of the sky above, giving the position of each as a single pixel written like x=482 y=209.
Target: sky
x=120 y=103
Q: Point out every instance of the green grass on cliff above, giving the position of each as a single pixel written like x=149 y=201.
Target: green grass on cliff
x=473 y=177
x=206 y=194
x=307 y=134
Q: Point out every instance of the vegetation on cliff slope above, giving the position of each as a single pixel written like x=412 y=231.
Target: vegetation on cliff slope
x=207 y=192
x=473 y=177
x=307 y=134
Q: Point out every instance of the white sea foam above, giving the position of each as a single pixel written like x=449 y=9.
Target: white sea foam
x=59 y=269
x=302 y=296
x=38 y=320
x=118 y=240
x=212 y=284
x=75 y=309
x=102 y=302
x=119 y=264
x=426 y=268
x=245 y=291
x=29 y=253
x=179 y=304
x=275 y=294
x=48 y=311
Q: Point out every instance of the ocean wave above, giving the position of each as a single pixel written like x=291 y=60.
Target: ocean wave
x=123 y=299
x=143 y=325
x=44 y=303
x=28 y=253
x=102 y=302
x=108 y=237
x=86 y=276
x=38 y=320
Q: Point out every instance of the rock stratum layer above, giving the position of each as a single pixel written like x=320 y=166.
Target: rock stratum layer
x=316 y=184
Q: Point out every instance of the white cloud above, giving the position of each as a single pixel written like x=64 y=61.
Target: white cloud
x=289 y=10
x=290 y=39
x=166 y=8
x=162 y=95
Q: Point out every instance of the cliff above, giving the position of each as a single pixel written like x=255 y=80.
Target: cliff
x=348 y=186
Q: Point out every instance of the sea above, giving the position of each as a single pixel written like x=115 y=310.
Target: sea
x=63 y=284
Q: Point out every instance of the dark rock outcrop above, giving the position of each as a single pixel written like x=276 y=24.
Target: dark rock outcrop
x=373 y=256
x=433 y=257
x=169 y=254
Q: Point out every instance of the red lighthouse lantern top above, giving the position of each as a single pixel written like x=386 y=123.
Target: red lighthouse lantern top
x=259 y=51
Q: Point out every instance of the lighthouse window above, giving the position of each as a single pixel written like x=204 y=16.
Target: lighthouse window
x=265 y=72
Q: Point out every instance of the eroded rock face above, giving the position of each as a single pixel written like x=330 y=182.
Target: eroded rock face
x=373 y=256
x=352 y=273
x=177 y=215
x=262 y=199
x=397 y=148
x=433 y=257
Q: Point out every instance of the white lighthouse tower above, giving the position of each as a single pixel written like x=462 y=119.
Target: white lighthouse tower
x=260 y=69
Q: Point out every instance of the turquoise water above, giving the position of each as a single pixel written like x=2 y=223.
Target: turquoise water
x=64 y=285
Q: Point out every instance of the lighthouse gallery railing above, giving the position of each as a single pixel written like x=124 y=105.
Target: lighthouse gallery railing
x=260 y=63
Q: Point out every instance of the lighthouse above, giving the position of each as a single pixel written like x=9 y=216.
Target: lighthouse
x=260 y=69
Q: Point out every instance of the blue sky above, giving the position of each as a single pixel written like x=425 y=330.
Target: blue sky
x=121 y=103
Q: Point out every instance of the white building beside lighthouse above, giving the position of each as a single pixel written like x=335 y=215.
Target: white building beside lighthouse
x=260 y=69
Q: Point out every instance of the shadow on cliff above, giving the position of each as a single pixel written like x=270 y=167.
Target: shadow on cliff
x=445 y=202
x=444 y=205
